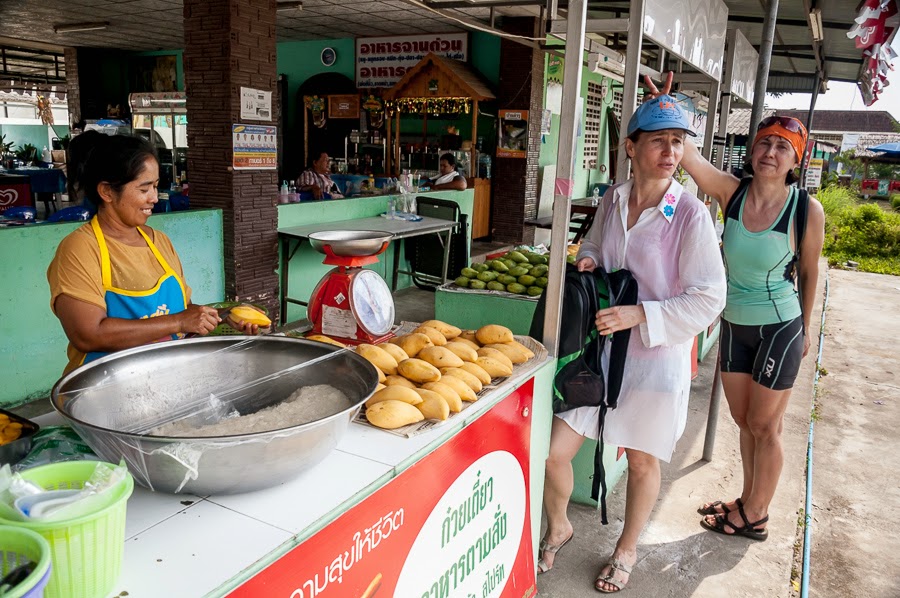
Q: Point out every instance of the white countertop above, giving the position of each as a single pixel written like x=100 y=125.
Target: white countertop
x=187 y=546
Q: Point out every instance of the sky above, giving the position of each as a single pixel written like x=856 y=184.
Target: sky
x=841 y=96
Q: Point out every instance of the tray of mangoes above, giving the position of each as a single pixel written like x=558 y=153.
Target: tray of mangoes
x=520 y=272
x=434 y=372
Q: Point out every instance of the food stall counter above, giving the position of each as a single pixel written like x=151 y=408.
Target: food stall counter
x=374 y=512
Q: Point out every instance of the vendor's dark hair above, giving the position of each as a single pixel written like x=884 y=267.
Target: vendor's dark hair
x=789 y=179
x=315 y=156
x=450 y=158
x=113 y=159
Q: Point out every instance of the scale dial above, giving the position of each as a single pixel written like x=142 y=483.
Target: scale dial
x=372 y=303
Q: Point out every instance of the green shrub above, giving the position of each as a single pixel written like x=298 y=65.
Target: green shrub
x=865 y=234
x=895 y=201
x=835 y=199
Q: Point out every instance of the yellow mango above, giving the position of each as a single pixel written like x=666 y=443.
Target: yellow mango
x=459 y=387
x=440 y=357
x=394 y=351
x=448 y=392
x=493 y=333
x=477 y=371
x=395 y=393
x=393 y=414
x=250 y=315
x=321 y=338
x=514 y=354
x=412 y=343
x=470 y=380
x=433 y=334
x=418 y=371
x=444 y=328
x=378 y=357
x=398 y=380
x=494 y=367
x=495 y=354
x=469 y=335
x=433 y=405
x=462 y=350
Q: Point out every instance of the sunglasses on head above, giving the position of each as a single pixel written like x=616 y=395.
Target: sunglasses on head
x=791 y=124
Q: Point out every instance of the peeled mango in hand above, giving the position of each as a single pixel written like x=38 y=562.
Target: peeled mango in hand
x=244 y=314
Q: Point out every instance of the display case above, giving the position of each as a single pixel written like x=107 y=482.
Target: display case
x=365 y=153
x=513 y=134
x=161 y=118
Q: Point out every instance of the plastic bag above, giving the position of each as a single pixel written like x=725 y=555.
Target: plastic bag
x=55 y=444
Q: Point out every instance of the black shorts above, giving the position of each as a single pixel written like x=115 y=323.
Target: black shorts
x=770 y=353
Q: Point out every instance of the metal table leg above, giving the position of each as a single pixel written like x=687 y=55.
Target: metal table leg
x=400 y=243
x=446 y=264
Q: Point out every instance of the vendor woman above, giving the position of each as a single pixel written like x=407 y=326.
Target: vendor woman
x=449 y=179
x=115 y=283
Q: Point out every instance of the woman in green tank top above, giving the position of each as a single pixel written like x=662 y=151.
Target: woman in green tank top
x=765 y=328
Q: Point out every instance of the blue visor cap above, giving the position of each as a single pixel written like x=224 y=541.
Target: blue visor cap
x=658 y=114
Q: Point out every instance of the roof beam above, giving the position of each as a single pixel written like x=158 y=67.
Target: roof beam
x=787 y=22
x=810 y=57
x=592 y=26
x=481 y=4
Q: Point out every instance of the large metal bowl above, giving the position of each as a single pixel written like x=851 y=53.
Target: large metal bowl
x=115 y=401
x=350 y=243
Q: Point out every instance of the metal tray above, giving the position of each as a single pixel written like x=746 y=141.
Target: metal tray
x=350 y=243
x=15 y=451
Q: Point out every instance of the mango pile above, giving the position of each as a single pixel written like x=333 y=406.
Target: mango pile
x=519 y=272
x=9 y=430
x=431 y=372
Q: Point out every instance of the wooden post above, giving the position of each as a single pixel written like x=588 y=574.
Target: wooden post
x=397 y=142
x=473 y=167
x=388 y=151
x=305 y=134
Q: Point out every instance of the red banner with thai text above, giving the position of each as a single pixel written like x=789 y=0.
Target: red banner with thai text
x=457 y=523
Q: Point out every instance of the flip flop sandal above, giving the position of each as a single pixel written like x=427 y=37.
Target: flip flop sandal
x=614 y=565
x=747 y=531
x=710 y=508
x=547 y=547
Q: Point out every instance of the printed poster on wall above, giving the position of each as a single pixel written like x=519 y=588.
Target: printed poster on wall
x=254 y=147
x=256 y=104
x=457 y=523
x=382 y=61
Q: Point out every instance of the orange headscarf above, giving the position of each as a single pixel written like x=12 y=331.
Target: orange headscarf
x=779 y=127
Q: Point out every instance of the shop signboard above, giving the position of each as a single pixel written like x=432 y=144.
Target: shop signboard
x=382 y=61
x=744 y=61
x=457 y=523
x=254 y=147
x=691 y=29
x=814 y=173
x=15 y=194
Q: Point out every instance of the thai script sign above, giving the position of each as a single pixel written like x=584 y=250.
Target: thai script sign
x=457 y=523
x=254 y=147
x=382 y=61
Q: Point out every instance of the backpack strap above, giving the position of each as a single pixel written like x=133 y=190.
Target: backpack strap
x=801 y=210
x=734 y=204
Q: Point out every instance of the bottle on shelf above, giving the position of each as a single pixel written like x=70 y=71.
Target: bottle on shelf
x=595 y=196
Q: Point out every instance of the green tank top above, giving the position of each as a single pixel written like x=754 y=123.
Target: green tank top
x=760 y=267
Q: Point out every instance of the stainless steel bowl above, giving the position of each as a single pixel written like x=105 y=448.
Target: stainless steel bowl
x=116 y=401
x=350 y=243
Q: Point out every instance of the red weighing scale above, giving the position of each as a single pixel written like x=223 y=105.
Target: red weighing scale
x=351 y=304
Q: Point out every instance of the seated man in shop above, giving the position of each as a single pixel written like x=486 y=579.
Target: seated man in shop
x=449 y=179
x=317 y=178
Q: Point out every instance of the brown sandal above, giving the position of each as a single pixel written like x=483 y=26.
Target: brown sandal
x=545 y=546
x=614 y=565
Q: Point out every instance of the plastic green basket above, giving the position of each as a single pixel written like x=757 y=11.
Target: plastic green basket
x=19 y=547
x=86 y=551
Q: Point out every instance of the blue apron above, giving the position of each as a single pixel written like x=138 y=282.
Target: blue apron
x=165 y=298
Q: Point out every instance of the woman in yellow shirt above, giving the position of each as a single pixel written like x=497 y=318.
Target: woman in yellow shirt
x=116 y=283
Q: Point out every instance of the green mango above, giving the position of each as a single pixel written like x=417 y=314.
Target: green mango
x=537 y=259
x=509 y=263
x=496 y=286
x=469 y=272
x=480 y=267
x=542 y=282
x=517 y=257
x=506 y=279
x=516 y=288
x=499 y=266
x=487 y=276
x=570 y=259
x=539 y=270
x=534 y=291
x=518 y=271
x=476 y=284
x=462 y=281
x=527 y=280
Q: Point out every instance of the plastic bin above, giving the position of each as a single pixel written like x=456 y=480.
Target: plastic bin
x=19 y=547
x=86 y=552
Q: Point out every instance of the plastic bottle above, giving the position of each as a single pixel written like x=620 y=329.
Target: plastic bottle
x=372 y=182
x=46 y=156
x=284 y=188
x=595 y=196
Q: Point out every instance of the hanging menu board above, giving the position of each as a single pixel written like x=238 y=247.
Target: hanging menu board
x=382 y=61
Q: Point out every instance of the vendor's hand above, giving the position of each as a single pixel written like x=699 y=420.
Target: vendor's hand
x=198 y=319
x=654 y=92
x=806 y=343
x=622 y=317
x=250 y=329
x=586 y=264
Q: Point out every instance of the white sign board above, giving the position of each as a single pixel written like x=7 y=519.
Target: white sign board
x=744 y=62
x=382 y=61
x=691 y=29
x=814 y=173
x=849 y=141
x=256 y=104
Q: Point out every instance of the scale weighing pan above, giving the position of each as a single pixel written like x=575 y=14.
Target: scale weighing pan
x=351 y=243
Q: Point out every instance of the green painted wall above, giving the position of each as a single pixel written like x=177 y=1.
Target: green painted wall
x=306 y=267
x=484 y=54
x=584 y=178
x=473 y=310
x=36 y=135
x=32 y=343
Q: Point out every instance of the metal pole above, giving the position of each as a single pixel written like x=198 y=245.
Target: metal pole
x=632 y=73
x=712 y=106
x=809 y=121
x=565 y=171
x=712 y=418
x=762 y=72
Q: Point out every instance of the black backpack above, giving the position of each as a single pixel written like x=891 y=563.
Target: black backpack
x=580 y=380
